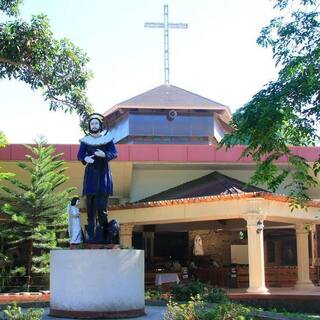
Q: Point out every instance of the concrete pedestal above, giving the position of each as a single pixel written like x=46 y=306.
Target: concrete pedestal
x=97 y=283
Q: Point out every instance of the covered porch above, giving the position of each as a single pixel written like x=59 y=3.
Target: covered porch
x=270 y=229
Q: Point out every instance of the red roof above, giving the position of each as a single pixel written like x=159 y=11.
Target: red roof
x=212 y=184
x=224 y=197
x=169 y=97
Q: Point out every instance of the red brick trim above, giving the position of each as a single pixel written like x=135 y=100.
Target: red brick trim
x=162 y=153
x=97 y=314
x=6 y=298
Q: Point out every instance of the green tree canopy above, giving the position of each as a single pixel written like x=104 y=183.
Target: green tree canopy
x=286 y=112
x=30 y=53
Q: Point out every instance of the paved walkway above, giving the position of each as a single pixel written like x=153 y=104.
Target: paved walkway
x=152 y=313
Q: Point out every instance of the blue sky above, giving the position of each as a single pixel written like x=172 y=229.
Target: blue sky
x=217 y=57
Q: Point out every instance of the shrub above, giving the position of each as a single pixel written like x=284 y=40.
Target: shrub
x=216 y=295
x=227 y=311
x=14 y=312
x=191 y=310
x=184 y=291
x=156 y=295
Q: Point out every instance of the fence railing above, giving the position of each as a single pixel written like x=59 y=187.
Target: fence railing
x=9 y=283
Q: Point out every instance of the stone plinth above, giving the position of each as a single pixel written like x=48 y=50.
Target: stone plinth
x=97 y=283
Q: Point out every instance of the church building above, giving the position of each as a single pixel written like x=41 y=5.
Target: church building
x=173 y=185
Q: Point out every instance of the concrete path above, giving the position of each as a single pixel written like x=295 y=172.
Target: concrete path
x=152 y=313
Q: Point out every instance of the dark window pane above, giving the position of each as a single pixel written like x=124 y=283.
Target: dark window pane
x=181 y=126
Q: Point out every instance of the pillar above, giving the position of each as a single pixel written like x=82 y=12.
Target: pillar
x=126 y=234
x=303 y=282
x=256 y=255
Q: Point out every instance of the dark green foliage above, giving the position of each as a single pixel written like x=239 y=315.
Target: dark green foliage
x=286 y=112
x=156 y=295
x=192 y=288
x=184 y=291
x=36 y=210
x=215 y=295
x=195 y=309
x=30 y=53
x=10 y=7
x=227 y=311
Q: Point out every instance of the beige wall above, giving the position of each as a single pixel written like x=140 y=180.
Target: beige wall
x=121 y=171
x=146 y=182
x=136 y=181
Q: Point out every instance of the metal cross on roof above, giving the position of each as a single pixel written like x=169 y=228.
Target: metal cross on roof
x=166 y=25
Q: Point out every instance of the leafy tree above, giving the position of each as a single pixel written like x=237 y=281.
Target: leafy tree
x=30 y=53
x=36 y=209
x=286 y=112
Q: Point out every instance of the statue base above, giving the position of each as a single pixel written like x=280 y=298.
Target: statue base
x=97 y=283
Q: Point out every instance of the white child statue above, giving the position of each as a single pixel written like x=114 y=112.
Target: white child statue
x=75 y=231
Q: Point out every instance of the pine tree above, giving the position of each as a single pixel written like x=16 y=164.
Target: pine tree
x=36 y=210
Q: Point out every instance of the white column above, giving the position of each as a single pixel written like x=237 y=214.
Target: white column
x=256 y=255
x=126 y=234
x=303 y=282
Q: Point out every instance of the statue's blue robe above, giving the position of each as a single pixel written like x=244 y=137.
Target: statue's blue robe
x=97 y=176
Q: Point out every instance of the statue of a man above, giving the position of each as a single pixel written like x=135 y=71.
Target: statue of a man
x=96 y=150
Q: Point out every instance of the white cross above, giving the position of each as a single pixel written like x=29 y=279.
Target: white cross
x=166 y=25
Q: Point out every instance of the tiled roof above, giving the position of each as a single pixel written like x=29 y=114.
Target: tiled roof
x=225 y=197
x=211 y=184
x=169 y=97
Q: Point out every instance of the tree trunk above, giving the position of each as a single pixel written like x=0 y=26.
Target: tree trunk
x=29 y=264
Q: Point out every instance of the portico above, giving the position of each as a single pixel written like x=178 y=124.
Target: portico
x=255 y=208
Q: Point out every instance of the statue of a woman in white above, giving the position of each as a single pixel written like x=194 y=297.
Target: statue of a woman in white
x=197 y=246
x=75 y=231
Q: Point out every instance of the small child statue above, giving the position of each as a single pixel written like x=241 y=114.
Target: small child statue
x=75 y=231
